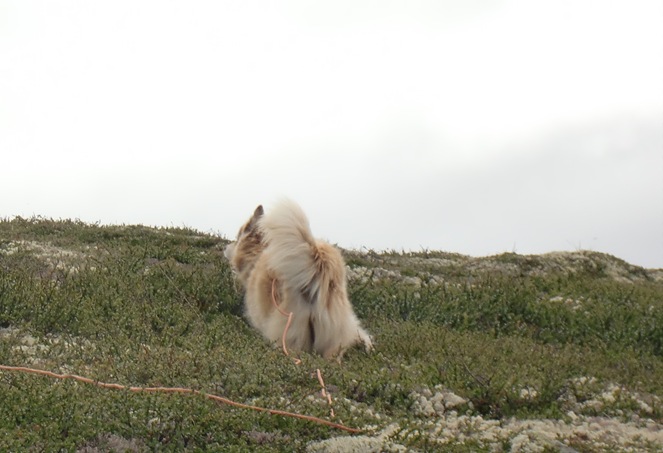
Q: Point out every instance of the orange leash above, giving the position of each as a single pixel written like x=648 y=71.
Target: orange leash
x=216 y=398
x=287 y=324
x=325 y=393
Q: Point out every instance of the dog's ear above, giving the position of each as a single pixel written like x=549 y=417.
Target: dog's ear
x=256 y=216
x=258 y=212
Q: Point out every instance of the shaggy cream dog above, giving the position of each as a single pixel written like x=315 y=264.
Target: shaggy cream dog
x=276 y=253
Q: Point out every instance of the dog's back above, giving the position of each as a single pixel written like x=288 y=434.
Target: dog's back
x=290 y=246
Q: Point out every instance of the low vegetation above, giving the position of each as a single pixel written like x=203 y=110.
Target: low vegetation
x=557 y=352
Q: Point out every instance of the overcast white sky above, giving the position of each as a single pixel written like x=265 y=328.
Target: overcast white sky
x=475 y=127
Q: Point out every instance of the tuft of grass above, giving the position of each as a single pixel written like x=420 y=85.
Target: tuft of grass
x=512 y=336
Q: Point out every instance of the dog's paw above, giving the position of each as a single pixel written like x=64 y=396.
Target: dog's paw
x=367 y=341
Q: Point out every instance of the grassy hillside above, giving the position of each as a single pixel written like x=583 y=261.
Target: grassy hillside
x=558 y=352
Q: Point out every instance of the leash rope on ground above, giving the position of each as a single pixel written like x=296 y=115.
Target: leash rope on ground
x=325 y=393
x=216 y=398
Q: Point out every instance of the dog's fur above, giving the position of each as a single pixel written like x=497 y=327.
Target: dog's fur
x=278 y=249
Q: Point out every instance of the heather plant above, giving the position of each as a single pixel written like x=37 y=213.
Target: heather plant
x=462 y=344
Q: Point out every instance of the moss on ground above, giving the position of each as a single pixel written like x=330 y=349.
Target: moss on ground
x=545 y=337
